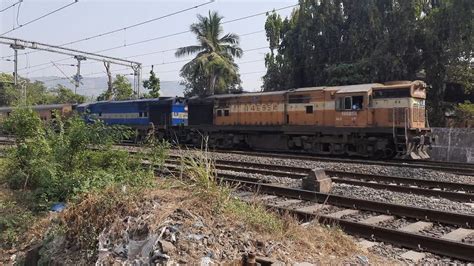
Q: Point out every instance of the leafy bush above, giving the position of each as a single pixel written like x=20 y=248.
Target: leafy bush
x=14 y=220
x=60 y=159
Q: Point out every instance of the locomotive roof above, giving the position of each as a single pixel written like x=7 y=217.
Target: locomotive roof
x=38 y=107
x=339 y=89
x=137 y=100
x=355 y=88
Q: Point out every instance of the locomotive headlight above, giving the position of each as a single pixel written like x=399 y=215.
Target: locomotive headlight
x=186 y=108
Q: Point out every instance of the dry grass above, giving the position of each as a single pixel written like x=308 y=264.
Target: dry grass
x=197 y=192
x=313 y=242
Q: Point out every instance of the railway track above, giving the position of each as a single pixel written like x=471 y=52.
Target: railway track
x=376 y=221
x=449 y=190
x=450 y=167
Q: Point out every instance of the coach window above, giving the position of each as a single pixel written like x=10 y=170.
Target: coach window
x=226 y=112
x=100 y=114
x=219 y=112
x=145 y=114
x=140 y=114
x=309 y=109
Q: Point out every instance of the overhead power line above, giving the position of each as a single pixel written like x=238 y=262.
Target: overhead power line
x=40 y=17
x=10 y=6
x=260 y=14
x=138 y=24
x=132 y=26
x=172 y=35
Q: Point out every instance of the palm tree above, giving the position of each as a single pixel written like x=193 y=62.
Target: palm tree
x=213 y=69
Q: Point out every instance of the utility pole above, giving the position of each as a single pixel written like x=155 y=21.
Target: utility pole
x=78 y=77
x=15 y=48
x=136 y=78
x=16 y=44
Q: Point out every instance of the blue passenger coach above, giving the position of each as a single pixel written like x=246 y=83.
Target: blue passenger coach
x=142 y=114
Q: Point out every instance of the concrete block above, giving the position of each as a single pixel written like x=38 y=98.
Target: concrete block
x=285 y=203
x=416 y=227
x=377 y=219
x=312 y=208
x=318 y=181
x=340 y=214
x=413 y=256
x=458 y=234
x=366 y=244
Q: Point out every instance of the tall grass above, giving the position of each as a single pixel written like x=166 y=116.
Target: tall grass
x=198 y=167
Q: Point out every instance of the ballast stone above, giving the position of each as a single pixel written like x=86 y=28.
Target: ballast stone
x=413 y=256
x=318 y=181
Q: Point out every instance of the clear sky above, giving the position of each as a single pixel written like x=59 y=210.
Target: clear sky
x=91 y=17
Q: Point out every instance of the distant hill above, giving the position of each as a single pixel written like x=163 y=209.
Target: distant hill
x=95 y=86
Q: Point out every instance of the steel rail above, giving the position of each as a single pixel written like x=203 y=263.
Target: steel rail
x=463 y=197
x=458 y=219
x=465 y=220
x=347 y=178
x=464 y=169
x=343 y=174
x=454 y=249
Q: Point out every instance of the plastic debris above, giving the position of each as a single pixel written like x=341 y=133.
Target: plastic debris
x=58 y=207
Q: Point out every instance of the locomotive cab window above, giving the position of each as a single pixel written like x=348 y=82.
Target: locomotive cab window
x=309 y=109
x=357 y=102
x=350 y=103
x=219 y=112
x=226 y=112
x=140 y=114
x=347 y=103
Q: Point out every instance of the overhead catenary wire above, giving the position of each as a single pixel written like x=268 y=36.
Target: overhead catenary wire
x=175 y=34
x=40 y=17
x=132 y=26
x=130 y=44
x=137 y=24
x=10 y=6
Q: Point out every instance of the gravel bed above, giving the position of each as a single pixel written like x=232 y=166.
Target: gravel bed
x=290 y=182
x=372 y=194
x=469 y=239
x=359 y=216
x=366 y=168
x=390 y=251
x=401 y=198
x=396 y=223
x=438 y=230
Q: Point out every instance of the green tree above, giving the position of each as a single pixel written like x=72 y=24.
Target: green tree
x=121 y=90
x=152 y=85
x=213 y=70
x=465 y=114
x=337 y=42
x=36 y=92
x=66 y=95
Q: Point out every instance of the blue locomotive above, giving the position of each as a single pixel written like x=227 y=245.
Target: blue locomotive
x=162 y=114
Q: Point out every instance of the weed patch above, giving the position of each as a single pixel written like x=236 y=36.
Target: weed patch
x=56 y=162
x=14 y=220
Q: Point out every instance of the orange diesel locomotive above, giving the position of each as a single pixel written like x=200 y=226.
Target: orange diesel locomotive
x=372 y=120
